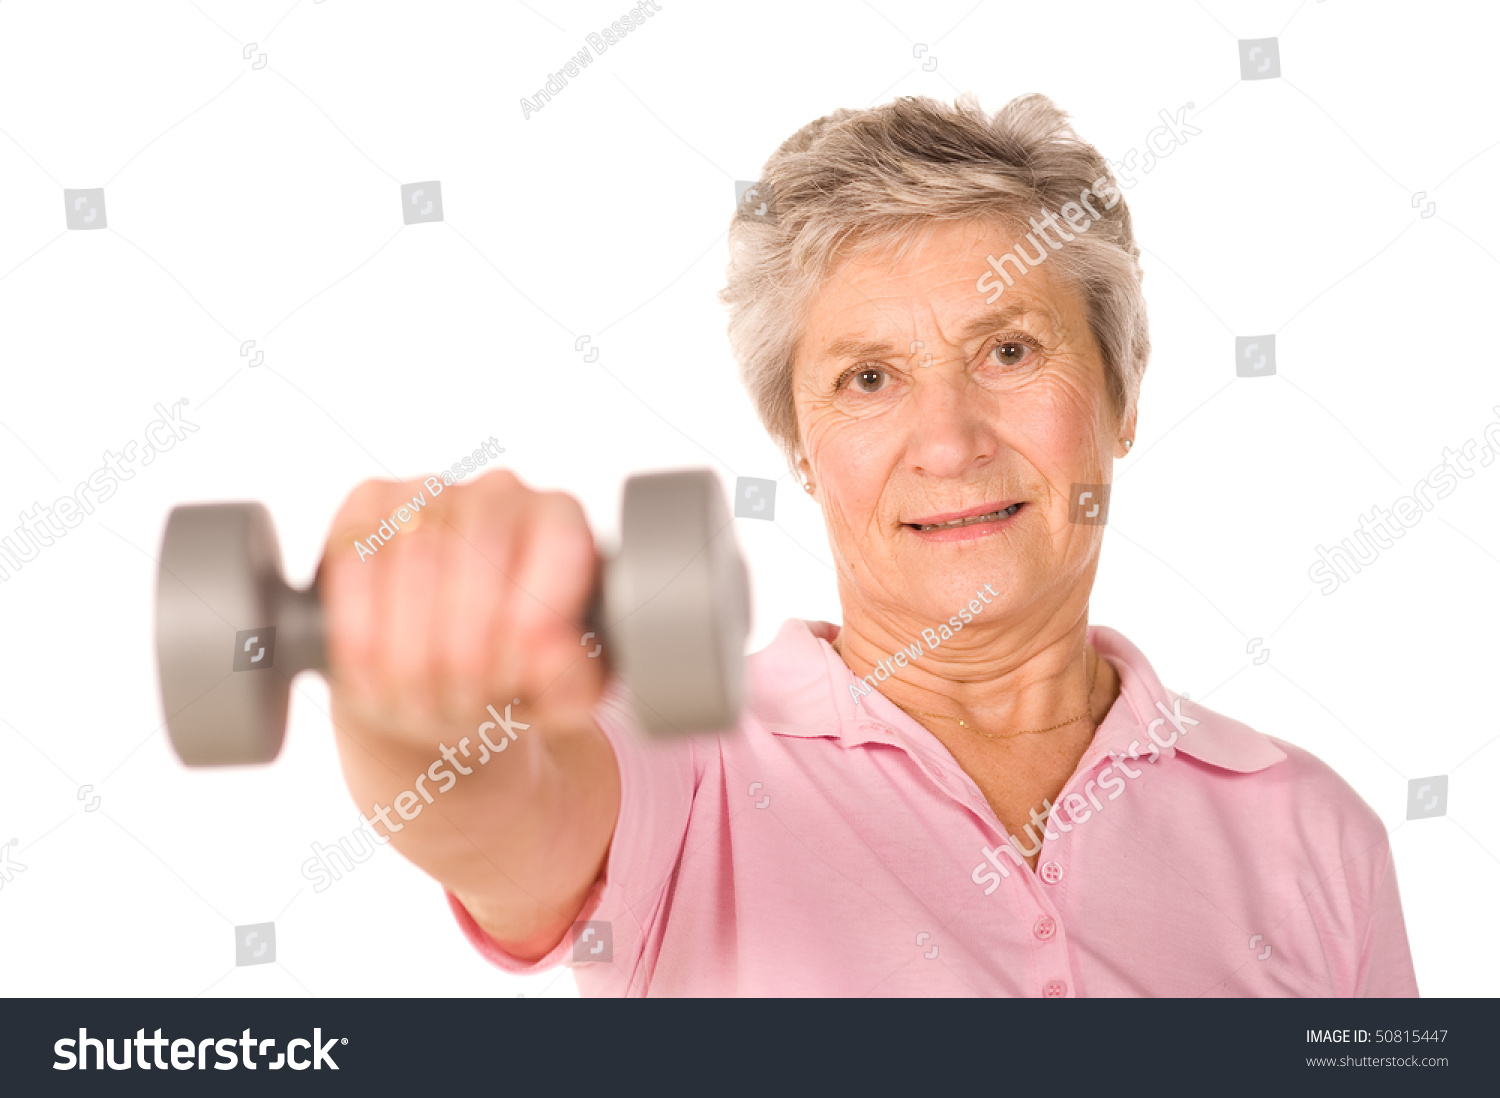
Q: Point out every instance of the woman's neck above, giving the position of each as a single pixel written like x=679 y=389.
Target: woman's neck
x=1018 y=775
x=993 y=682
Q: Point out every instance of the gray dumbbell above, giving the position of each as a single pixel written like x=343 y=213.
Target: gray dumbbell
x=672 y=609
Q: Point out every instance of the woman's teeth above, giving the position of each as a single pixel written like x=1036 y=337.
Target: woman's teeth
x=993 y=516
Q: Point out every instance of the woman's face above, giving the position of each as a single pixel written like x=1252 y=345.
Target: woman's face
x=918 y=402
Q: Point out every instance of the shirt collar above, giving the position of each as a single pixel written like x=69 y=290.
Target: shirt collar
x=1157 y=720
x=799 y=687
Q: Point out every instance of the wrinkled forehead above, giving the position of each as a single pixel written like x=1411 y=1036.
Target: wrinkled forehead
x=881 y=333
x=879 y=293
x=925 y=255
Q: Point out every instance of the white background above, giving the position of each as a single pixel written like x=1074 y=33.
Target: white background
x=264 y=203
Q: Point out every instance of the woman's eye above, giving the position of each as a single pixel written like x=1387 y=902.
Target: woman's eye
x=1010 y=352
x=868 y=380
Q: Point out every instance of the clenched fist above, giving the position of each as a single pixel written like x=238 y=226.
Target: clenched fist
x=439 y=603
x=443 y=603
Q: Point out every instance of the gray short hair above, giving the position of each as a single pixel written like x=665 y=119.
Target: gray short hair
x=859 y=180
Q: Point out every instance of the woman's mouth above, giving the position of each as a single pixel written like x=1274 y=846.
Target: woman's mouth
x=998 y=515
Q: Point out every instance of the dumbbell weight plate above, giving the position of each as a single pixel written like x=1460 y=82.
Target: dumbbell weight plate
x=677 y=604
x=219 y=600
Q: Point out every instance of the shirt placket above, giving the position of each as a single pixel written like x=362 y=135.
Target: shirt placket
x=1054 y=861
x=1053 y=973
x=1049 y=938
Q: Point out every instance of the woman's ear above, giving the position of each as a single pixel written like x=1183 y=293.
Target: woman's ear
x=1127 y=433
x=804 y=473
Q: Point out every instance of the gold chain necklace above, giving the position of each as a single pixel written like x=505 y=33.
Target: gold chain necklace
x=1088 y=712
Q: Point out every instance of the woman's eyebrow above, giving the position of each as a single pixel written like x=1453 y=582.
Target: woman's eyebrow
x=982 y=324
x=991 y=319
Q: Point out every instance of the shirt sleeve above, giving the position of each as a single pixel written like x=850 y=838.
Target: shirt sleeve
x=658 y=780
x=1385 y=967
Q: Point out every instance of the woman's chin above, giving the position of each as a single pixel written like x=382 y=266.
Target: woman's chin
x=955 y=593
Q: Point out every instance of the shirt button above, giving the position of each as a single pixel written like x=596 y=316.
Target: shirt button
x=1045 y=928
x=1055 y=989
x=1052 y=872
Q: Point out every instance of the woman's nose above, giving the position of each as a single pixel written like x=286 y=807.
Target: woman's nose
x=949 y=426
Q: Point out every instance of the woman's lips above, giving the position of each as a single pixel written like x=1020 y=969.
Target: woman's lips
x=976 y=524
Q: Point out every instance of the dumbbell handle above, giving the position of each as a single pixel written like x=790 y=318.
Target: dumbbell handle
x=301 y=641
x=302 y=638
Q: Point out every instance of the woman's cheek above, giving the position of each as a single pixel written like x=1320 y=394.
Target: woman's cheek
x=1067 y=426
x=829 y=438
x=855 y=467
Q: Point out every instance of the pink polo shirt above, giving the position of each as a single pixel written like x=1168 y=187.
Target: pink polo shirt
x=834 y=848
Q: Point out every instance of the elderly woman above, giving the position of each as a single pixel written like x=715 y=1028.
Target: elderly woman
x=965 y=789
